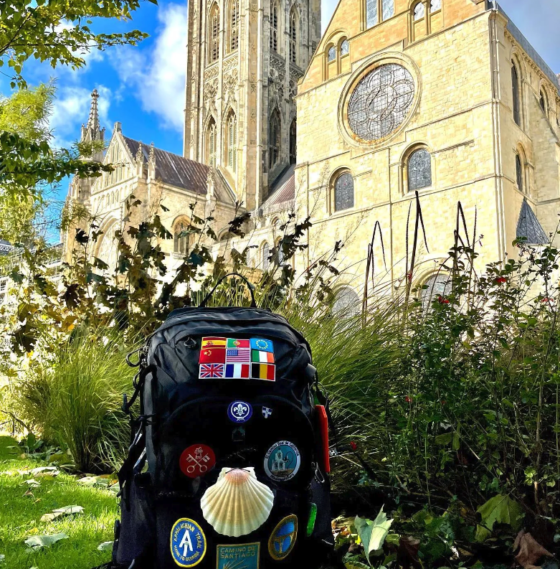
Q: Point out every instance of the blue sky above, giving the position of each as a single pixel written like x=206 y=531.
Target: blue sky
x=142 y=87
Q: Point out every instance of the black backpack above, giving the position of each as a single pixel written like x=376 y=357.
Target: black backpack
x=225 y=388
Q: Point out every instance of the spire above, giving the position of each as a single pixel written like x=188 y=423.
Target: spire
x=140 y=154
x=93 y=121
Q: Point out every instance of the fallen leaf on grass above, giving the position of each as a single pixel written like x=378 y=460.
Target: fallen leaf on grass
x=51 y=470
x=530 y=550
x=39 y=541
x=32 y=483
x=105 y=546
x=373 y=533
x=62 y=512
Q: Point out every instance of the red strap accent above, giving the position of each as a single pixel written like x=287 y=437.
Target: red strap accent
x=324 y=428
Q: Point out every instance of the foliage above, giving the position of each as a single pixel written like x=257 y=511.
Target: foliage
x=58 y=31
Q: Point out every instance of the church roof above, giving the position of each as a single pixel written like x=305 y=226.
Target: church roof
x=5 y=247
x=529 y=227
x=529 y=49
x=181 y=172
x=282 y=191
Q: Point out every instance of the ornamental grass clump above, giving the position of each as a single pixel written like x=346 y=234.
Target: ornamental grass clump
x=75 y=399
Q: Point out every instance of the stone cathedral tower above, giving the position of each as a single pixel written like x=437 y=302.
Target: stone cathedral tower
x=244 y=61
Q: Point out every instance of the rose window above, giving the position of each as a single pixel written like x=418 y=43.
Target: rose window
x=380 y=102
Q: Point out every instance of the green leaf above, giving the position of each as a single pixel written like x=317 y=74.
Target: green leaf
x=373 y=533
x=444 y=439
x=39 y=541
x=500 y=509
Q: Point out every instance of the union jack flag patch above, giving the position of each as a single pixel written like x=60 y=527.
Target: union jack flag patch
x=215 y=371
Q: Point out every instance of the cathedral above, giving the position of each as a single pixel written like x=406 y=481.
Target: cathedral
x=445 y=99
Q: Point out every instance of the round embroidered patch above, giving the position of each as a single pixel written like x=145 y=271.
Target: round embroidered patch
x=282 y=461
x=283 y=538
x=188 y=543
x=240 y=412
x=197 y=460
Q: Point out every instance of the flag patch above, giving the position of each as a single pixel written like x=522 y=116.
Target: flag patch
x=211 y=371
x=236 y=343
x=262 y=357
x=237 y=371
x=213 y=342
x=234 y=356
x=212 y=356
x=265 y=372
x=262 y=345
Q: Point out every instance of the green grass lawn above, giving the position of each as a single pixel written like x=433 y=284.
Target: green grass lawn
x=21 y=508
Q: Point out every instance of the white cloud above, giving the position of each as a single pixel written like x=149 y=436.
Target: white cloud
x=71 y=109
x=157 y=77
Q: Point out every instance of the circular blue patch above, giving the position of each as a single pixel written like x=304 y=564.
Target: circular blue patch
x=283 y=538
x=282 y=461
x=240 y=412
x=188 y=543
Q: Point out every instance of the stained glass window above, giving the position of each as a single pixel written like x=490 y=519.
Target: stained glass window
x=515 y=91
x=435 y=5
x=388 y=7
x=234 y=31
x=419 y=170
x=380 y=102
x=274 y=27
x=437 y=285
x=346 y=303
x=371 y=13
x=275 y=137
x=519 y=173
x=344 y=48
x=293 y=36
x=419 y=11
x=332 y=53
x=214 y=34
x=344 y=192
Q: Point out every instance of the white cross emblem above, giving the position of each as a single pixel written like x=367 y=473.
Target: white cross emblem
x=267 y=412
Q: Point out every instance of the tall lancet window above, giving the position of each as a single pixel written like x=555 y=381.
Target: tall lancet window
x=211 y=143
x=234 y=25
x=274 y=27
x=214 y=33
x=293 y=36
x=516 y=94
x=275 y=137
x=231 y=137
x=293 y=142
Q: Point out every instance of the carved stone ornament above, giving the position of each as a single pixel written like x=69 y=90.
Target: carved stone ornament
x=230 y=63
x=211 y=72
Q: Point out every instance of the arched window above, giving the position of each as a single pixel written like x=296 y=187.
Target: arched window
x=436 y=285
x=211 y=143
x=435 y=5
x=275 y=138
x=516 y=92
x=346 y=303
x=419 y=11
x=214 y=34
x=293 y=36
x=376 y=7
x=265 y=256
x=181 y=237
x=388 y=9
x=419 y=171
x=231 y=141
x=371 y=13
x=332 y=53
x=274 y=27
x=344 y=48
x=543 y=102
x=233 y=25
x=519 y=174
x=344 y=192
x=293 y=142
x=280 y=252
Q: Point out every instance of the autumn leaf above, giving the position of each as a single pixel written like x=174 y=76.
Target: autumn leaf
x=530 y=550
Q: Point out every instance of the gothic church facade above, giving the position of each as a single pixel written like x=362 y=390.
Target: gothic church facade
x=441 y=97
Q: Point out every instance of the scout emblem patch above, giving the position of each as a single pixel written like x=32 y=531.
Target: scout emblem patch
x=282 y=461
x=235 y=358
x=240 y=412
x=188 y=543
x=197 y=460
x=243 y=556
x=283 y=538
